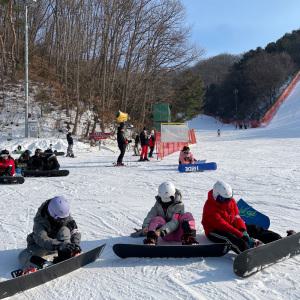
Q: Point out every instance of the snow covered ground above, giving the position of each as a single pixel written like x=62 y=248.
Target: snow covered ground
x=262 y=165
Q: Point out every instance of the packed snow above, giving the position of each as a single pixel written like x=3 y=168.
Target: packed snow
x=262 y=165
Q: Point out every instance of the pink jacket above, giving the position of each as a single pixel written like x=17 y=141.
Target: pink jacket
x=186 y=158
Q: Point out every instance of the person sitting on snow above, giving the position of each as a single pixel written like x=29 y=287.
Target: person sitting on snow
x=7 y=164
x=186 y=156
x=55 y=232
x=167 y=218
x=222 y=222
x=36 y=162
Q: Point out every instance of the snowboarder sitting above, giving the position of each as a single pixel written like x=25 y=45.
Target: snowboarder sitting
x=167 y=218
x=186 y=156
x=222 y=222
x=54 y=233
x=36 y=162
x=7 y=164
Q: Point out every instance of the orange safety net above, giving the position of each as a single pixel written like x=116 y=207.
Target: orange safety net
x=164 y=149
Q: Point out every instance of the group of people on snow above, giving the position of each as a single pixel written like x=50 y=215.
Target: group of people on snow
x=146 y=140
x=220 y=219
x=56 y=233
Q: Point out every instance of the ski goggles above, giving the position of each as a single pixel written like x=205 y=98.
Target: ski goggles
x=222 y=199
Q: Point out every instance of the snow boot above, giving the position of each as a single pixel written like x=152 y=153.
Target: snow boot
x=189 y=235
x=290 y=232
x=151 y=238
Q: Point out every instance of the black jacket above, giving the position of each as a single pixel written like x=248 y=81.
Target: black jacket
x=144 y=139
x=69 y=139
x=122 y=141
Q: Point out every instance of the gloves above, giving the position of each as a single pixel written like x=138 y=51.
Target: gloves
x=163 y=233
x=248 y=239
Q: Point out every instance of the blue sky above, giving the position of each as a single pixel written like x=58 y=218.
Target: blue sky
x=236 y=26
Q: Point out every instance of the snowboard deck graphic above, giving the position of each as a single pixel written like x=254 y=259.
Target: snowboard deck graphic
x=253 y=260
x=251 y=216
x=22 y=283
x=198 y=167
x=46 y=173
x=152 y=251
x=12 y=180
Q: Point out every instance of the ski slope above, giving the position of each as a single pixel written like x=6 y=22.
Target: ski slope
x=262 y=165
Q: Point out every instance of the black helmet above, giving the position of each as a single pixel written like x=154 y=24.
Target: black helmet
x=38 y=150
x=4 y=152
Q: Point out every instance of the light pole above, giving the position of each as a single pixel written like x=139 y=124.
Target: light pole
x=26 y=68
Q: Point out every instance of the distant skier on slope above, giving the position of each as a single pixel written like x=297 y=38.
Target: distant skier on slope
x=7 y=164
x=167 y=218
x=222 y=222
x=54 y=232
x=186 y=156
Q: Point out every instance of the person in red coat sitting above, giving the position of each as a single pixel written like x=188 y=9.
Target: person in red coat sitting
x=7 y=164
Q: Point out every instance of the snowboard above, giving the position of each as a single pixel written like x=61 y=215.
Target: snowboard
x=12 y=180
x=22 y=283
x=135 y=250
x=197 y=167
x=59 y=153
x=252 y=216
x=253 y=260
x=45 y=173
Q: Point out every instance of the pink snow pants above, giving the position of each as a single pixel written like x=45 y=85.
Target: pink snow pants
x=144 y=152
x=176 y=235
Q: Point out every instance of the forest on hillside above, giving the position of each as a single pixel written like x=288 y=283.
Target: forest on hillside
x=110 y=55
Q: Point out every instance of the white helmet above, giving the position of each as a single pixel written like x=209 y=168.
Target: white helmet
x=222 y=191
x=166 y=190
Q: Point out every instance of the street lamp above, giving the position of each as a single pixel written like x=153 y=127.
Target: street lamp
x=26 y=67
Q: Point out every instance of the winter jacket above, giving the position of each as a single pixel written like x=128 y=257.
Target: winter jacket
x=45 y=230
x=69 y=139
x=121 y=139
x=6 y=163
x=177 y=207
x=186 y=158
x=144 y=138
x=222 y=216
x=36 y=163
x=152 y=140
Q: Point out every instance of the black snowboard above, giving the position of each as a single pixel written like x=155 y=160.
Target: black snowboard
x=253 y=260
x=135 y=250
x=50 y=173
x=19 y=284
x=59 y=153
x=12 y=179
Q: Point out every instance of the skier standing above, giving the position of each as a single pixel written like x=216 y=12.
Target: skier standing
x=167 y=218
x=144 y=139
x=54 y=232
x=122 y=143
x=70 y=152
x=7 y=164
x=222 y=222
x=151 y=142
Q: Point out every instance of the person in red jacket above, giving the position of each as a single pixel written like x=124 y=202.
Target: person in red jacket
x=222 y=222
x=7 y=164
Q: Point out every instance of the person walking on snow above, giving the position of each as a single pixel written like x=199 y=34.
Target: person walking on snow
x=55 y=232
x=122 y=143
x=167 y=218
x=70 y=152
x=186 y=156
x=222 y=222
x=144 y=139
x=7 y=164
